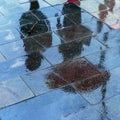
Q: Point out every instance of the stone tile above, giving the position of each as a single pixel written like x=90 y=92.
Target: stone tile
x=69 y=50
x=9 y=35
x=55 y=105
x=47 y=40
x=91 y=6
x=54 y=2
x=50 y=11
x=9 y=10
x=89 y=45
x=60 y=22
x=34 y=45
x=20 y=66
x=107 y=59
x=111 y=38
x=79 y=32
x=116 y=71
x=110 y=107
x=12 y=50
x=85 y=114
x=75 y=70
x=22 y=1
x=8 y=23
x=43 y=81
x=53 y=55
x=13 y=91
x=96 y=26
x=26 y=3
x=107 y=17
x=104 y=91
x=8 y=4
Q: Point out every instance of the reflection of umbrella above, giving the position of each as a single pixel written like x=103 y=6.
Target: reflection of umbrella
x=84 y=75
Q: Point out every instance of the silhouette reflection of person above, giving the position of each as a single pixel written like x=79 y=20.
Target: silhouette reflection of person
x=110 y=4
x=32 y=24
x=72 y=48
x=104 y=8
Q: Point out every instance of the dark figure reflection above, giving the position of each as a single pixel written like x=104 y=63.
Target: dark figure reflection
x=32 y=24
x=73 y=47
x=108 y=6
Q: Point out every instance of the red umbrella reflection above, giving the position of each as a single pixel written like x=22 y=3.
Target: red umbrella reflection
x=80 y=72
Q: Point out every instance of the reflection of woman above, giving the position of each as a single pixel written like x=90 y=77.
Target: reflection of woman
x=32 y=24
x=110 y=4
x=104 y=8
x=80 y=71
x=70 y=49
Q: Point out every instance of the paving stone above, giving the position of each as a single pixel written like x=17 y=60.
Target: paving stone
x=47 y=40
x=104 y=91
x=74 y=49
x=40 y=83
x=55 y=105
x=50 y=11
x=111 y=38
x=8 y=35
x=96 y=26
x=54 y=2
x=60 y=22
x=85 y=114
x=26 y=3
x=91 y=6
x=110 y=107
x=80 y=31
x=106 y=59
x=13 y=91
x=20 y=66
x=75 y=70
x=12 y=50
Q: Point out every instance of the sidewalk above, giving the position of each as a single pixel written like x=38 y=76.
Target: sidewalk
x=60 y=62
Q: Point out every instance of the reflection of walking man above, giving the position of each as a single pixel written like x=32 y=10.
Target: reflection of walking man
x=32 y=24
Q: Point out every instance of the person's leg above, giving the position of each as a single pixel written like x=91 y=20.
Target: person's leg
x=34 y=4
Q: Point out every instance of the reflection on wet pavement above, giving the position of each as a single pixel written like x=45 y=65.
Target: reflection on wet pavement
x=65 y=57
x=106 y=11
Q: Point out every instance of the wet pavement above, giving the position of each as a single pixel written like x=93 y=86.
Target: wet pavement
x=61 y=61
